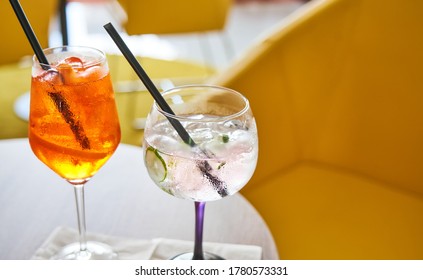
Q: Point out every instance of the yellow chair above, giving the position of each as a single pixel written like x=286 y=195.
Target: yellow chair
x=337 y=92
x=15 y=77
x=186 y=17
x=14 y=44
x=169 y=16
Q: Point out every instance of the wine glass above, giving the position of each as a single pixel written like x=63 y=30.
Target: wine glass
x=74 y=127
x=217 y=161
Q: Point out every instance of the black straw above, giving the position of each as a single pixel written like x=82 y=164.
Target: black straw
x=63 y=22
x=30 y=34
x=56 y=97
x=148 y=83
x=204 y=166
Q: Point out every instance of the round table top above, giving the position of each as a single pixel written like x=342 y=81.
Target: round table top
x=121 y=200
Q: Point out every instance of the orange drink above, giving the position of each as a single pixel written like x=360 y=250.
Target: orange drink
x=74 y=126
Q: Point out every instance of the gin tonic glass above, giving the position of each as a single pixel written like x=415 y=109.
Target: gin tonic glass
x=218 y=160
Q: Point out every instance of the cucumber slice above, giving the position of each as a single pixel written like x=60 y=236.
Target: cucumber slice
x=155 y=164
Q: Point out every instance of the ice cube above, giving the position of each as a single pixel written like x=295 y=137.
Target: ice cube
x=51 y=76
x=74 y=62
x=233 y=124
x=72 y=71
x=92 y=73
x=67 y=74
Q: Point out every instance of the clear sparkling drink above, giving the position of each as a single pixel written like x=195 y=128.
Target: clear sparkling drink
x=227 y=150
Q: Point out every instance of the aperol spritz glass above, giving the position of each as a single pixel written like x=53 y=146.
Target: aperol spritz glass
x=74 y=127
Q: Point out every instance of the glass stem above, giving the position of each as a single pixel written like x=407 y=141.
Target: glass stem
x=80 y=209
x=199 y=222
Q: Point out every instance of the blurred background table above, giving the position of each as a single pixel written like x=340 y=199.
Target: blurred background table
x=121 y=200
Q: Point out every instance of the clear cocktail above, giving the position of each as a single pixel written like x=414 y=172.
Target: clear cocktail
x=229 y=149
x=218 y=157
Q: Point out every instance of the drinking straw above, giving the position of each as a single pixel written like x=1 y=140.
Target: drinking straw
x=204 y=166
x=148 y=83
x=30 y=34
x=60 y=102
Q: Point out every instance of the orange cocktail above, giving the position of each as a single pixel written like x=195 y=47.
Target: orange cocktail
x=74 y=127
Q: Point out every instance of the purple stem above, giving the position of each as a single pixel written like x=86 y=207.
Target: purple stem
x=199 y=222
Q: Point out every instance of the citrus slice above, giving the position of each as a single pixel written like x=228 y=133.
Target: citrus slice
x=155 y=164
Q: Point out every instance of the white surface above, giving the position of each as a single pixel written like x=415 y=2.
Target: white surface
x=121 y=201
x=145 y=249
x=21 y=106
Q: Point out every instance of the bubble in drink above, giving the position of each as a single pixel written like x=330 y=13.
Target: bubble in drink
x=74 y=125
x=176 y=167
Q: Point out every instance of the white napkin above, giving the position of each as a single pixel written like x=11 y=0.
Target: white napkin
x=142 y=249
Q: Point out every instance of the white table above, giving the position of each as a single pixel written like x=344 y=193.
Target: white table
x=121 y=200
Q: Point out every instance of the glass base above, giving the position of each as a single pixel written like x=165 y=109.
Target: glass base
x=188 y=256
x=95 y=251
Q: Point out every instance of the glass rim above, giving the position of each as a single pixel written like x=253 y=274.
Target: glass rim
x=208 y=118
x=97 y=61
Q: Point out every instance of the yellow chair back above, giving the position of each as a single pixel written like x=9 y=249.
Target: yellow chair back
x=169 y=16
x=14 y=44
x=337 y=93
x=340 y=83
